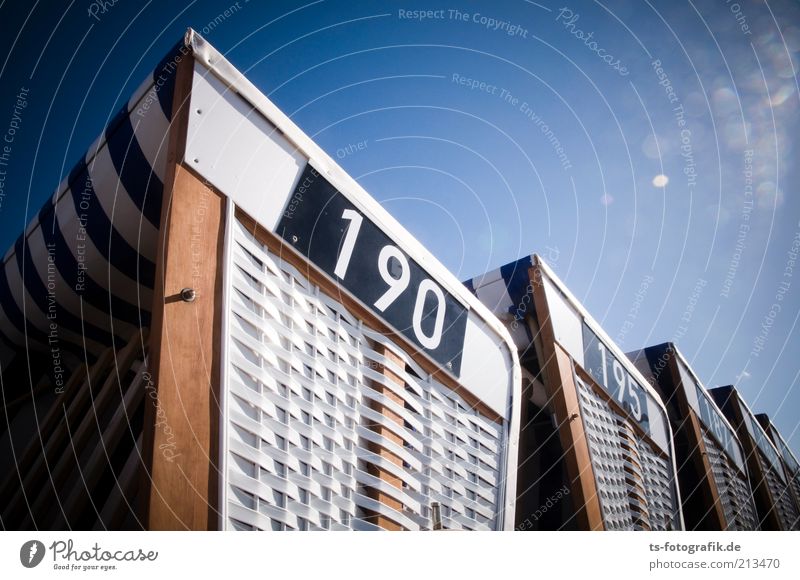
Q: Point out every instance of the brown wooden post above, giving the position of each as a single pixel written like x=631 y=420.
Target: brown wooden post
x=562 y=392
x=699 y=455
x=181 y=426
x=758 y=478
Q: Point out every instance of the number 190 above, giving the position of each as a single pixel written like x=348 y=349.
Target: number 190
x=396 y=286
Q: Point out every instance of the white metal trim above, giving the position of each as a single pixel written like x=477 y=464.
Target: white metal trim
x=227 y=250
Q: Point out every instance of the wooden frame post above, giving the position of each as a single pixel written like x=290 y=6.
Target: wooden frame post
x=699 y=455
x=691 y=432
x=562 y=392
x=181 y=425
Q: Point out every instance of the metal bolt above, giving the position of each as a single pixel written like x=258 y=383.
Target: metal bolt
x=188 y=294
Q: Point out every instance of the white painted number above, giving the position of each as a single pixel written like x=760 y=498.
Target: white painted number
x=619 y=375
x=637 y=405
x=435 y=338
x=349 y=241
x=627 y=389
x=602 y=349
x=396 y=285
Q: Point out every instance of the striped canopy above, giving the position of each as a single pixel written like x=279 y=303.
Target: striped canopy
x=80 y=278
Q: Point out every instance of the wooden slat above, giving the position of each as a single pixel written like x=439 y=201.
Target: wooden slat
x=88 y=425
x=52 y=418
x=92 y=469
x=9 y=408
x=120 y=502
x=50 y=446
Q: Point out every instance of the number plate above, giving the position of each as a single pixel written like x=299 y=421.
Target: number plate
x=712 y=420
x=610 y=374
x=763 y=442
x=331 y=232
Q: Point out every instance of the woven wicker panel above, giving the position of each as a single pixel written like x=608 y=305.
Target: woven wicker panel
x=634 y=483
x=301 y=411
x=734 y=489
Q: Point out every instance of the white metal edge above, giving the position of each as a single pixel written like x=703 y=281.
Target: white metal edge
x=227 y=252
x=512 y=452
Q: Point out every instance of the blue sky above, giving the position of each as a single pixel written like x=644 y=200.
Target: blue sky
x=492 y=130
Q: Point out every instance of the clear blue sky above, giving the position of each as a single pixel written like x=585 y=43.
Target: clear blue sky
x=555 y=153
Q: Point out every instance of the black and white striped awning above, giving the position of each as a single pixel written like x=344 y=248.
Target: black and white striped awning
x=80 y=278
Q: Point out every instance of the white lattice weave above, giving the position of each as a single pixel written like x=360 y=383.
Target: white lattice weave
x=734 y=490
x=303 y=376
x=633 y=481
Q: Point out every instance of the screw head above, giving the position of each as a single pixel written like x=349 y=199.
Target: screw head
x=188 y=294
